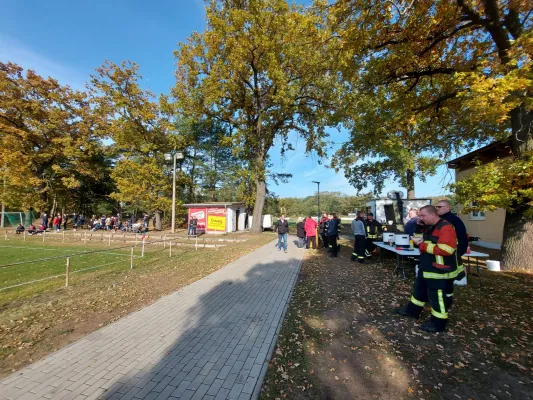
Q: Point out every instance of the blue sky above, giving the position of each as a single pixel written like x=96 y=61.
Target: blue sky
x=68 y=39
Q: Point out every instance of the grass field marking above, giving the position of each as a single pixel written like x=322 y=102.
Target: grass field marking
x=31 y=282
x=28 y=248
x=103 y=251
x=97 y=266
x=34 y=261
x=58 y=276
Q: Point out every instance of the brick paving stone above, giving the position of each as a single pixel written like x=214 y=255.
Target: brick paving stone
x=209 y=340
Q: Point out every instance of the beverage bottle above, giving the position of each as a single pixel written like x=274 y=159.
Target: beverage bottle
x=411 y=244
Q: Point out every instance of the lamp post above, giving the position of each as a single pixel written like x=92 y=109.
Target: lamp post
x=318 y=197
x=176 y=156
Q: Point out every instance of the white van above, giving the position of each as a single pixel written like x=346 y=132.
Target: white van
x=267 y=222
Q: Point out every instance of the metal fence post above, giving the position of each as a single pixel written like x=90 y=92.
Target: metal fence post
x=44 y=234
x=170 y=248
x=109 y=239
x=6 y=234
x=131 y=259
x=63 y=239
x=164 y=243
x=67 y=271
x=196 y=245
x=24 y=234
x=142 y=251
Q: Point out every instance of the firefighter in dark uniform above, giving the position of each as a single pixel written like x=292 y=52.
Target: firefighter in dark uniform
x=373 y=230
x=436 y=273
x=359 y=232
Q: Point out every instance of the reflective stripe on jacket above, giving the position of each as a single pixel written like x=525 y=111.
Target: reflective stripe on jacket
x=372 y=229
x=438 y=255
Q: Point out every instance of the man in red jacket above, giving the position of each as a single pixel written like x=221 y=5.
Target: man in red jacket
x=436 y=273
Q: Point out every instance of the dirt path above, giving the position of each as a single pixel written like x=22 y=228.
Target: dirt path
x=341 y=341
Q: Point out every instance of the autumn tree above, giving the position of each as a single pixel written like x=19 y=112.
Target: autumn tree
x=468 y=64
x=139 y=131
x=48 y=146
x=260 y=66
x=384 y=145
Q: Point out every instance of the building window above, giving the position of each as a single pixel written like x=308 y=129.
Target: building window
x=477 y=215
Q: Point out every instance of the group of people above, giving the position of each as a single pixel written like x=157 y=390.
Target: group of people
x=440 y=236
x=116 y=223
x=306 y=232
x=58 y=221
x=328 y=227
x=105 y=222
x=366 y=231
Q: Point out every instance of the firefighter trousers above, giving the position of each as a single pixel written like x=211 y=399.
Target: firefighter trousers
x=438 y=293
x=370 y=246
x=359 y=247
x=324 y=240
x=333 y=247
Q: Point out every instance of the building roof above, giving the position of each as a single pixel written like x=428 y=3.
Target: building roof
x=214 y=204
x=485 y=154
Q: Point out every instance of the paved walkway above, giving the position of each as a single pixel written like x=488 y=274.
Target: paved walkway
x=209 y=340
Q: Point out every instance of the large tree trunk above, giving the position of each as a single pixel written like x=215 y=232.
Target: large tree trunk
x=258 y=207
x=158 y=225
x=410 y=179
x=517 y=248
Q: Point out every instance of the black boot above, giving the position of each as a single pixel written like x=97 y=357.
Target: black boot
x=404 y=313
x=434 y=325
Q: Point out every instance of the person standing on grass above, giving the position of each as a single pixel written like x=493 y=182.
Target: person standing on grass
x=373 y=230
x=444 y=210
x=310 y=232
x=333 y=234
x=438 y=269
x=359 y=232
x=194 y=225
x=282 y=227
x=44 y=220
x=300 y=232
x=57 y=222
x=146 y=220
x=323 y=229
x=65 y=220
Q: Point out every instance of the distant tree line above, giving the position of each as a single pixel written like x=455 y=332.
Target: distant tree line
x=330 y=202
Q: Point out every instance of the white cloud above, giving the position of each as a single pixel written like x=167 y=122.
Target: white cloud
x=17 y=52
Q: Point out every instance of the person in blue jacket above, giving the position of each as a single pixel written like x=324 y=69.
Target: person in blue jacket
x=333 y=234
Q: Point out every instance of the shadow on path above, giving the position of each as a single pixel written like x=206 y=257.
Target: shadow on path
x=224 y=337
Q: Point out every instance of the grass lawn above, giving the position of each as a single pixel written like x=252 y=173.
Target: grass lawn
x=340 y=339
x=53 y=261
x=42 y=317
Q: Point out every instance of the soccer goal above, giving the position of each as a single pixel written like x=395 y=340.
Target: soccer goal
x=13 y=219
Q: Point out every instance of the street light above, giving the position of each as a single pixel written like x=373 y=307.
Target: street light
x=318 y=196
x=176 y=156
